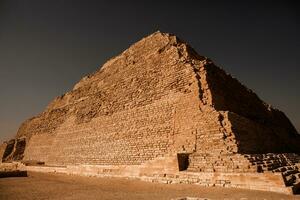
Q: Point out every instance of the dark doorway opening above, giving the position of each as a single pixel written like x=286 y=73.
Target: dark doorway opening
x=183 y=161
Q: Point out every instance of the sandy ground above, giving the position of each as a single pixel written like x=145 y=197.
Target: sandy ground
x=60 y=186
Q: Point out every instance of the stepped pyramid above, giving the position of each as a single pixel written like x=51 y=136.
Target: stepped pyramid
x=160 y=108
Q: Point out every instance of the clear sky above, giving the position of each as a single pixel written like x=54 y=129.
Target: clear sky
x=46 y=46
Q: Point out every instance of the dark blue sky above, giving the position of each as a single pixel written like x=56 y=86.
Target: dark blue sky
x=47 y=46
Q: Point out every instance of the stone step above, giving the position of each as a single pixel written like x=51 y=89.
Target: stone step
x=289 y=172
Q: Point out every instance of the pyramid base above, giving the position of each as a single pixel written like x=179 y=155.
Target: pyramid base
x=273 y=182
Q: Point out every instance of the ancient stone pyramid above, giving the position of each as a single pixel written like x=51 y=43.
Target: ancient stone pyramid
x=162 y=106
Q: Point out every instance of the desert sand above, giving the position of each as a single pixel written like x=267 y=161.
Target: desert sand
x=60 y=186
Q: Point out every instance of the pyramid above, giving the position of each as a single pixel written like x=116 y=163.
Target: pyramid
x=160 y=110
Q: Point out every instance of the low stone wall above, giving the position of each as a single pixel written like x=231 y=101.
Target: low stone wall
x=255 y=181
x=10 y=166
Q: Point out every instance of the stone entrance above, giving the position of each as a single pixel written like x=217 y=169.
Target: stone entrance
x=183 y=161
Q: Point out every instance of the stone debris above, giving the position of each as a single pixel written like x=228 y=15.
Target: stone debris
x=161 y=112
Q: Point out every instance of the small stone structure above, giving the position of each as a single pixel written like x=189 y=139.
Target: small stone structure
x=161 y=112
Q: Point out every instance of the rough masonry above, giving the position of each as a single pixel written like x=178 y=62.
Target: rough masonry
x=161 y=111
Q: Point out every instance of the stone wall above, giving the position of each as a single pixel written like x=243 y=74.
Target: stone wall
x=2 y=150
x=126 y=137
x=39 y=147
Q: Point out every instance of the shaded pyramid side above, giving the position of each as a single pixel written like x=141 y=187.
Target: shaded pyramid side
x=258 y=127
